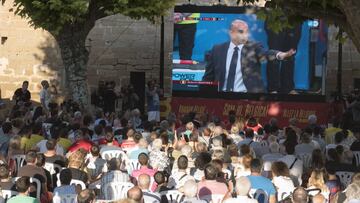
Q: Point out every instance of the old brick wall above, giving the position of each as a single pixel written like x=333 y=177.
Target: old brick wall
x=26 y=54
x=119 y=45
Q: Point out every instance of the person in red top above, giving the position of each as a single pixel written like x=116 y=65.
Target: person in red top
x=81 y=142
x=103 y=141
x=129 y=144
x=253 y=124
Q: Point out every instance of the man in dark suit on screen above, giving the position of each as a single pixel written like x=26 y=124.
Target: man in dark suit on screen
x=236 y=65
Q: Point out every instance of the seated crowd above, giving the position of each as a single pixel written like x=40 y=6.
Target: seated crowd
x=49 y=155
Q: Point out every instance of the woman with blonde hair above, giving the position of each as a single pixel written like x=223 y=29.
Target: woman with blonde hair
x=243 y=169
x=14 y=149
x=15 y=146
x=234 y=134
x=317 y=181
x=353 y=192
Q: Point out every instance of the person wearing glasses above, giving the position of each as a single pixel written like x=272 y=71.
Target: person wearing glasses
x=236 y=65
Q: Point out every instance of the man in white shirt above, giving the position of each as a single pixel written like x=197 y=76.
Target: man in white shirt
x=45 y=95
x=236 y=64
x=179 y=177
x=242 y=188
x=144 y=185
x=48 y=145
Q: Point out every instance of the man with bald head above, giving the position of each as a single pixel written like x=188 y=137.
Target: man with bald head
x=236 y=65
x=144 y=185
x=300 y=195
x=135 y=194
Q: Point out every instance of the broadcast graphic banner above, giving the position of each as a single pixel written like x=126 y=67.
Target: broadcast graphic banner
x=262 y=110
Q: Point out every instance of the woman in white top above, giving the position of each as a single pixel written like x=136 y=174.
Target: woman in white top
x=281 y=180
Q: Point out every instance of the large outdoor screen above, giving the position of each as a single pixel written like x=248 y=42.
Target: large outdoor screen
x=237 y=52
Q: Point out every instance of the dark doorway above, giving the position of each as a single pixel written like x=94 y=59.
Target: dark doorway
x=137 y=79
x=356 y=83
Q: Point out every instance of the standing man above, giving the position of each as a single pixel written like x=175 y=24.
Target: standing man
x=109 y=98
x=45 y=95
x=22 y=94
x=236 y=65
x=153 y=101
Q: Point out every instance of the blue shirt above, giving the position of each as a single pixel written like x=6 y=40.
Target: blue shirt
x=262 y=183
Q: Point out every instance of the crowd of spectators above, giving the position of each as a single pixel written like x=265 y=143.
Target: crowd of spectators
x=58 y=151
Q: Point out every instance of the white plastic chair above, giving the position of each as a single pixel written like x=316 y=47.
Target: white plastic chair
x=52 y=168
x=132 y=165
x=173 y=196
x=73 y=181
x=357 y=157
x=306 y=159
x=7 y=194
x=214 y=198
x=345 y=177
x=259 y=195
x=19 y=162
x=103 y=201
x=263 y=143
x=68 y=198
x=37 y=182
x=78 y=182
x=109 y=154
x=116 y=190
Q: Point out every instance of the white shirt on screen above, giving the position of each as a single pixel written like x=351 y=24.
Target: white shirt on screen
x=238 y=83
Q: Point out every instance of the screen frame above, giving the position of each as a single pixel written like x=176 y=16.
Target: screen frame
x=303 y=97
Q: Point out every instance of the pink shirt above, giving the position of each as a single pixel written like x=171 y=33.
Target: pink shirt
x=143 y=170
x=148 y=171
x=211 y=187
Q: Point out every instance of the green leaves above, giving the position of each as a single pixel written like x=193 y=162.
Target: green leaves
x=276 y=18
x=54 y=15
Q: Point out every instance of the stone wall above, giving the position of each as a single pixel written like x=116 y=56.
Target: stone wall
x=119 y=45
x=26 y=54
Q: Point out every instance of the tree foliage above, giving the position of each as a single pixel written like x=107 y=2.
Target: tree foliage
x=54 y=15
x=70 y=21
x=342 y=13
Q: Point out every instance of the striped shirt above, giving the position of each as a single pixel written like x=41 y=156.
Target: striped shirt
x=113 y=176
x=151 y=197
